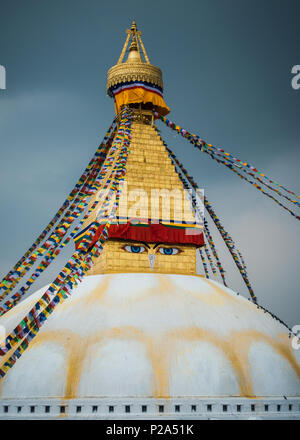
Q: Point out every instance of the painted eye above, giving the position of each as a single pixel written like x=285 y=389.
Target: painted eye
x=168 y=251
x=134 y=249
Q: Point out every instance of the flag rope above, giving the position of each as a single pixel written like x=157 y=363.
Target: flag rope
x=204 y=263
x=75 y=268
x=243 y=166
x=224 y=234
x=54 y=252
x=13 y=273
x=50 y=246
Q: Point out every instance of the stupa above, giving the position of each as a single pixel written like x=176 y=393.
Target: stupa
x=144 y=335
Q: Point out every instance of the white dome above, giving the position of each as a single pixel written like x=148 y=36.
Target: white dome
x=151 y=335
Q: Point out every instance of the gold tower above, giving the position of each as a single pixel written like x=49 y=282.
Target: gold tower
x=163 y=234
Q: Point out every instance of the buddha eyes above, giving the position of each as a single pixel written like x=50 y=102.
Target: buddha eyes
x=169 y=251
x=134 y=249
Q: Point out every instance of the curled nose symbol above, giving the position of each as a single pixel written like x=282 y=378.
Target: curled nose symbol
x=151 y=260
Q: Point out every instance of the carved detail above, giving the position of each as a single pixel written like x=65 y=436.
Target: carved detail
x=125 y=72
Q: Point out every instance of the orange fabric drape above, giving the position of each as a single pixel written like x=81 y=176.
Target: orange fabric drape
x=140 y=95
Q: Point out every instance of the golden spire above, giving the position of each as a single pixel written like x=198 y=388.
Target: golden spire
x=136 y=81
x=134 y=53
x=136 y=41
x=133 y=26
x=134 y=68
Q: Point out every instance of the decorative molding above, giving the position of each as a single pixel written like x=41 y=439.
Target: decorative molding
x=151 y=408
x=124 y=72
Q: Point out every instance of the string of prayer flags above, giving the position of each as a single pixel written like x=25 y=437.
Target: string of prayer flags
x=186 y=184
x=224 y=162
x=62 y=285
x=234 y=162
x=230 y=245
x=213 y=269
x=76 y=209
x=239 y=261
x=14 y=273
x=204 y=263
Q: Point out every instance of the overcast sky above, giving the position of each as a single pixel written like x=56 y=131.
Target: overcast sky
x=227 y=76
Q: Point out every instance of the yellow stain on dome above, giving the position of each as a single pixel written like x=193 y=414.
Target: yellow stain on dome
x=241 y=342
x=219 y=291
x=288 y=352
x=78 y=358
x=97 y=294
x=224 y=345
x=235 y=348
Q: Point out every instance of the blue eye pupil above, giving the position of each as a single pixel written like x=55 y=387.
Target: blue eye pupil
x=168 y=251
x=135 y=249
